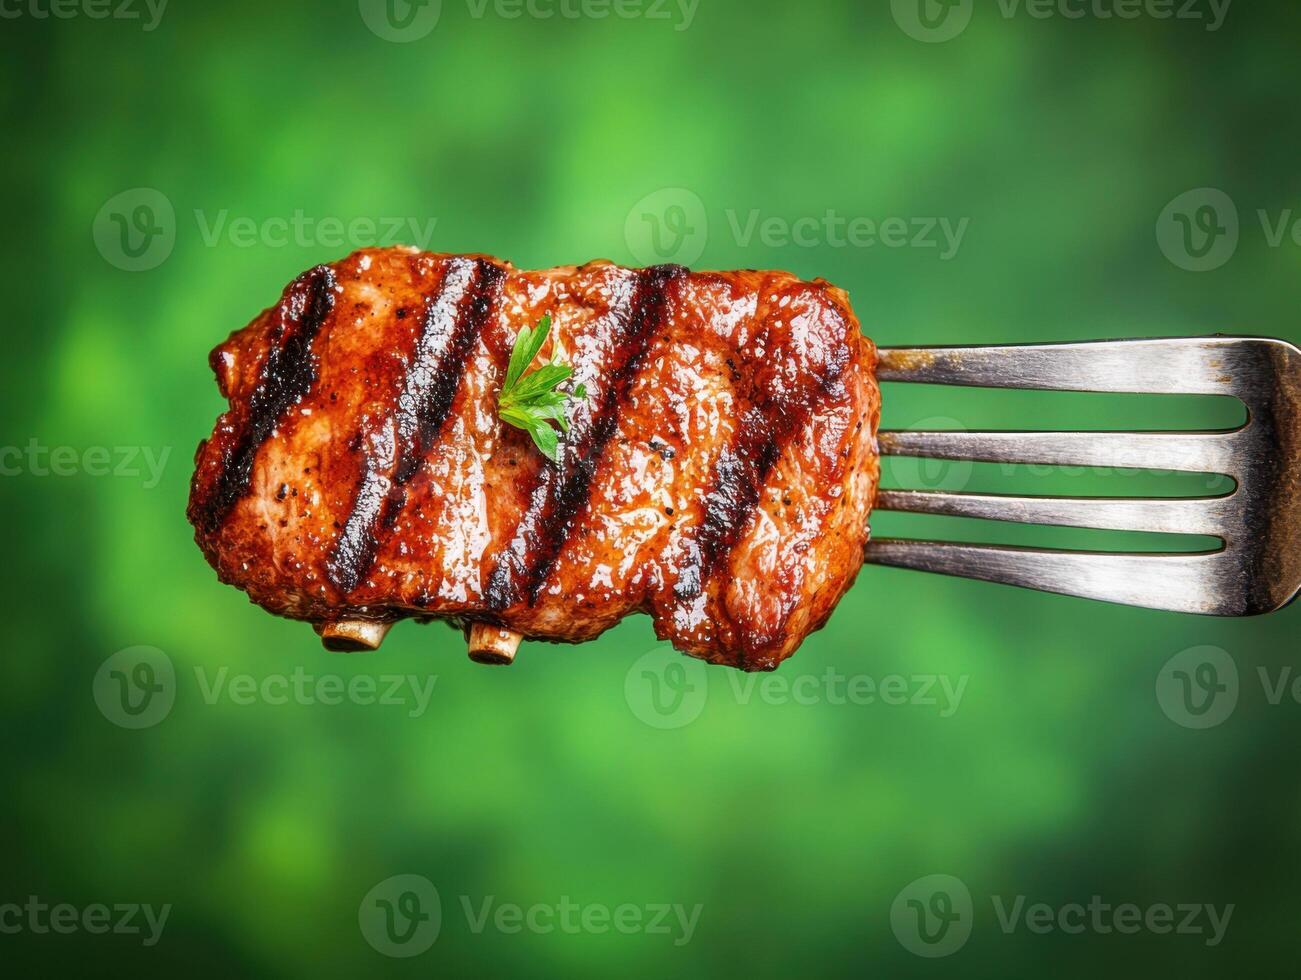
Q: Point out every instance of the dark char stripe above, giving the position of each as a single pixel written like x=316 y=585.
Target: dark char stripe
x=287 y=376
x=739 y=475
x=562 y=489
x=453 y=320
x=743 y=466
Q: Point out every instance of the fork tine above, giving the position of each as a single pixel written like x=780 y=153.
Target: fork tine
x=1196 y=452
x=1179 y=365
x=1192 y=515
x=1180 y=583
x=1259 y=568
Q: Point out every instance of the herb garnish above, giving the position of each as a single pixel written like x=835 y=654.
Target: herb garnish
x=531 y=401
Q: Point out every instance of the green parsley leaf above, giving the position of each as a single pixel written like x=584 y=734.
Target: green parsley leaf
x=533 y=402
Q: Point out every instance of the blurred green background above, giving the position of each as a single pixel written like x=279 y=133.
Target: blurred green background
x=795 y=816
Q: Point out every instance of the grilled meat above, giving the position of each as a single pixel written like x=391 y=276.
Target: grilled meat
x=718 y=475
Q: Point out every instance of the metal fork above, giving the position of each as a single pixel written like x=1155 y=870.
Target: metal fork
x=1258 y=567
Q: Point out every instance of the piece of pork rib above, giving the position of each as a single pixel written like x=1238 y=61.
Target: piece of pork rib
x=718 y=476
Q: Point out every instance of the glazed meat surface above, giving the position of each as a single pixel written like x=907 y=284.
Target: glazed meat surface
x=718 y=475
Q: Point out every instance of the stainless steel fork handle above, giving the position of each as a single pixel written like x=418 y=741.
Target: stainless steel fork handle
x=1257 y=569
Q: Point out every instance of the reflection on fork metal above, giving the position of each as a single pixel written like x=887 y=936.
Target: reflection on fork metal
x=1257 y=570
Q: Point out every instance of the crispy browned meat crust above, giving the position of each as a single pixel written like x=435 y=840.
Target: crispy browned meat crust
x=719 y=475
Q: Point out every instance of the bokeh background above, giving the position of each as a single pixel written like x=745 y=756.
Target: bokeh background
x=1062 y=765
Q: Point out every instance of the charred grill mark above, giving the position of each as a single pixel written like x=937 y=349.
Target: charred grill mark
x=287 y=376
x=453 y=320
x=562 y=489
x=742 y=468
x=738 y=478
x=354 y=551
x=441 y=361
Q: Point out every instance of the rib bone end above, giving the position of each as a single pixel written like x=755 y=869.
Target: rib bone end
x=493 y=645
x=353 y=635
